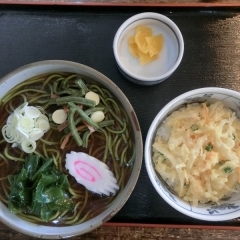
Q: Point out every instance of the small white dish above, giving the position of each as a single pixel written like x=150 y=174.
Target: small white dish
x=169 y=58
x=228 y=208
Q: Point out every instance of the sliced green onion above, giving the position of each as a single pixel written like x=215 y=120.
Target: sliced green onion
x=221 y=162
x=209 y=147
x=207 y=104
x=227 y=169
x=194 y=127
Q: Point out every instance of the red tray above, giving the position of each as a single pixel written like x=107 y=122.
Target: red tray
x=211 y=58
x=129 y=3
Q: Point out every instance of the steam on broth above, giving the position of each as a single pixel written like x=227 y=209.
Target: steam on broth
x=112 y=143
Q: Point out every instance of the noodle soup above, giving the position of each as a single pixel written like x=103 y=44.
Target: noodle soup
x=113 y=143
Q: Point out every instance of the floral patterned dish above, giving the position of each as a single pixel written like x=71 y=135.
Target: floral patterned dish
x=229 y=208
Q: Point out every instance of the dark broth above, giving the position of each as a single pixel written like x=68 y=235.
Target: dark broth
x=87 y=204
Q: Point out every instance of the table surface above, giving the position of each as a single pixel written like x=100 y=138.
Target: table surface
x=52 y=33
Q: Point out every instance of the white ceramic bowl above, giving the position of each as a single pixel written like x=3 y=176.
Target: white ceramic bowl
x=58 y=232
x=228 y=209
x=169 y=58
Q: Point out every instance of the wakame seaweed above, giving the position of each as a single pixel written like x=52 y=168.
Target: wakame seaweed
x=39 y=189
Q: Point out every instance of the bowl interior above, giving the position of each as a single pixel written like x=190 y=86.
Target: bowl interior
x=50 y=66
x=229 y=208
x=158 y=68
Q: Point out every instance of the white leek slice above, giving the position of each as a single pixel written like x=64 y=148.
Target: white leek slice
x=42 y=111
x=13 y=119
x=28 y=145
x=59 y=116
x=42 y=116
x=91 y=172
x=43 y=124
x=21 y=135
x=25 y=124
x=21 y=108
x=93 y=96
x=36 y=133
x=9 y=134
x=32 y=112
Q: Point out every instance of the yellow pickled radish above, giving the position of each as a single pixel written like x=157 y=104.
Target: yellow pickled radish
x=141 y=42
x=155 y=44
x=144 y=45
x=146 y=31
x=133 y=46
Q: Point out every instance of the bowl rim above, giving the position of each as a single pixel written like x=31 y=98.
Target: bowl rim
x=148 y=158
x=124 y=195
x=149 y=15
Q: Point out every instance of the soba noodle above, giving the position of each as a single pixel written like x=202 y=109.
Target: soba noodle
x=112 y=144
